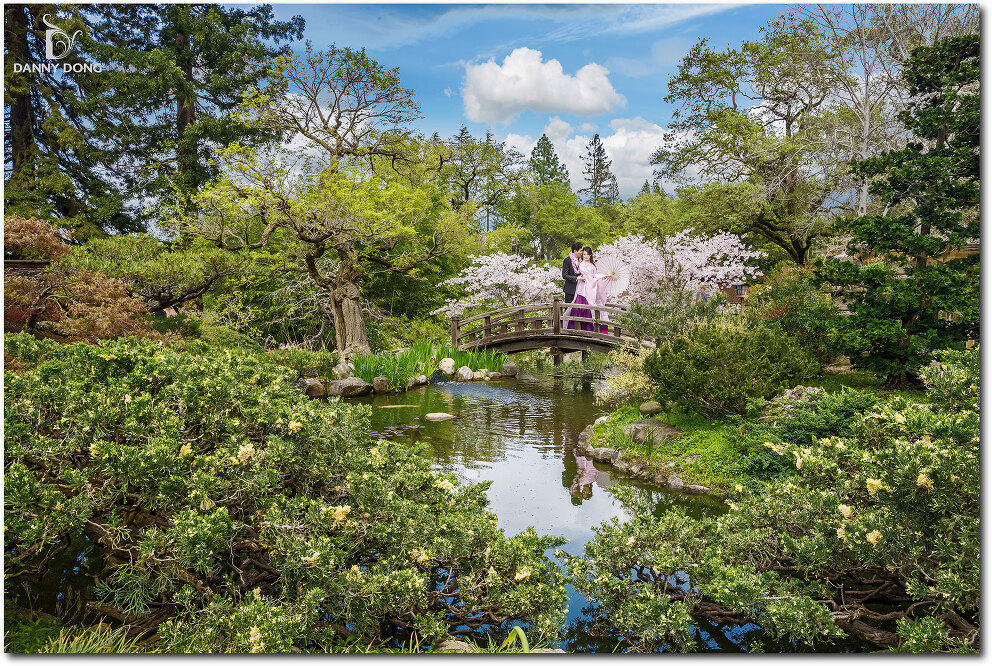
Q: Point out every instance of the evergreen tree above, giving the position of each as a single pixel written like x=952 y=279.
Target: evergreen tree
x=597 y=173
x=657 y=189
x=645 y=188
x=52 y=169
x=612 y=190
x=86 y=148
x=177 y=73
x=545 y=164
x=915 y=299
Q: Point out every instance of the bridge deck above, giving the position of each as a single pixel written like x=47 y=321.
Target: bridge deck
x=543 y=325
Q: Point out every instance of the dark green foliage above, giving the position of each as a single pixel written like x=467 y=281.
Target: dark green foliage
x=716 y=367
x=600 y=188
x=902 y=303
x=545 y=164
x=306 y=363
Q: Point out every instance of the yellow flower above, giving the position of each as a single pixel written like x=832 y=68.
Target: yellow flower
x=185 y=450
x=845 y=511
x=924 y=481
x=840 y=533
x=799 y=460
x=255 y=640
x=523 y=573
x=873 y=537
x=294 y=426
x=340 y=513
x=246 y=452
x=95 y=449
x=127 y=399
x=444 y=484
x=739 y=488
x=874 y=485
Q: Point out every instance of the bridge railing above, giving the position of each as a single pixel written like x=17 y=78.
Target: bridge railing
x=541 y=319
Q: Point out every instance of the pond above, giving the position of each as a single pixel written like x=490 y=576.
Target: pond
x=521 y=434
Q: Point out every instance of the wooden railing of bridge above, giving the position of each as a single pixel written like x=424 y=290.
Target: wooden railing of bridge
x=542 y=325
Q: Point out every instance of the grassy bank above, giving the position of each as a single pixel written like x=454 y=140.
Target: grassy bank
x=708 y=452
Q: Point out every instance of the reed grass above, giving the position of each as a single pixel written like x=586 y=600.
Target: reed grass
x=422 y=358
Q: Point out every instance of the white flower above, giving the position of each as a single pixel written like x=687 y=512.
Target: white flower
x=873 y=537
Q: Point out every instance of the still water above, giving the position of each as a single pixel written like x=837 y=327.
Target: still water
x=521 y=435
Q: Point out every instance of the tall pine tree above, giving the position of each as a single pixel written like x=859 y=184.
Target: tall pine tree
x=601 y=184
x=545 y=164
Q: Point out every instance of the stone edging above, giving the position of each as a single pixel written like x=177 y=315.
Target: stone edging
x=616 y=458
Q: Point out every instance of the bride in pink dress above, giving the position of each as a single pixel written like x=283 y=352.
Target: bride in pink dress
x=588 y=291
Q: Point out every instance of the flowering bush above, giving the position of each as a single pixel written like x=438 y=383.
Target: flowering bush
x=232 y=514
x=629 y=381
x=874 y=527
x=501 y=280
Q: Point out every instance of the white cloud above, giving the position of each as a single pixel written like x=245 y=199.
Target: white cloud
x=629 y=146
x=498 y=93
x=558 y=129
x=588 y=127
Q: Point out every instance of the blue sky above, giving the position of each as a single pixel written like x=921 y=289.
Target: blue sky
x=521 y=69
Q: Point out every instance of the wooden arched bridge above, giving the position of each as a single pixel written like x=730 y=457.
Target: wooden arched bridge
x=544 y=325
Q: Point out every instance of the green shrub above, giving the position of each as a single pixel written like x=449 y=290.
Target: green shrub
x=716 y=367
x=953 y=383
x=306 y=363
x=181 y=324
x=260 y=519
x=222 y=336
x=790 y=299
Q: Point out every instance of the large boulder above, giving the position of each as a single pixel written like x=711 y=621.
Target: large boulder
x=650 y=430
x=464 y=374
x=675 y=483
x=651 y=407
x=348 y=388
x=380 y=384
x=341 y=371
x=509 y=369
x=447 y=366
x=312 y=388
x=438 y=416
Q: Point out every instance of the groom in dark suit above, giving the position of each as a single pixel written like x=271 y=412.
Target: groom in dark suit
x=569 y=272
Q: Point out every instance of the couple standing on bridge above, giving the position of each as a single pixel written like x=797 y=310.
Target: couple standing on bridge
x=583 y=286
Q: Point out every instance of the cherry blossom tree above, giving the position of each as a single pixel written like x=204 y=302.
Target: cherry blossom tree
x=680 y=262
x=500 y=280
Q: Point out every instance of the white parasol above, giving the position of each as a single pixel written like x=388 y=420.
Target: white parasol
x=616 y=276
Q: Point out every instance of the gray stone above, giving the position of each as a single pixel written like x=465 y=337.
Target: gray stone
x=342 y=371
x=636 y=469
x=650 y=429
x=691 y=459
x=698 y=490
x=380 y=384
x=493 y=374
x=585 y=437
x=348 y=388
x=438 y=416
x=601 y=419
x=464 y=374
x=617 y=456
x=509 y=369
x=420 y=380
x=451 y=646
x=622 y=465
x=480 y=374
x=447 y=366
x=312 y=388
x=602 y=453
x=651 y=407
x=661 y=479
x=675 y=483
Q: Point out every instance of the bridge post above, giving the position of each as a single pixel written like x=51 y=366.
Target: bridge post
x=556 y=316
x=454 y=333
x=487 y=327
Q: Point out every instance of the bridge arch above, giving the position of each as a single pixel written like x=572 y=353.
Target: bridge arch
x=543 y=325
